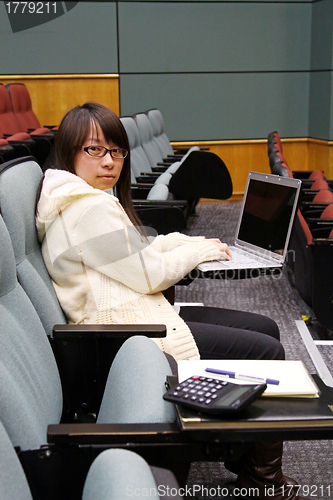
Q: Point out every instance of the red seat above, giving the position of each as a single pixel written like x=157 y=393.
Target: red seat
x=323 y=196
x=22 y=109
x=319 y=184
x=327 y=213
x=8 y=120
x=316 y=174
x=40 y=144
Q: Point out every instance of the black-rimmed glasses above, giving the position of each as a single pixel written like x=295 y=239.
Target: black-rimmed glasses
x=99 y=151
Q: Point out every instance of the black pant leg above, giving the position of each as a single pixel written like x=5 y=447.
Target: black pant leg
x=231 y=318
x=227 y=334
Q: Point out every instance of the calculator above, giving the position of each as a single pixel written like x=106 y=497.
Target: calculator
x=214 y=396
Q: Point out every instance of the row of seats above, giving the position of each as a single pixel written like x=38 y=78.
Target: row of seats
x=177 y=179
x=196 y=174
x=45 y=380
x=20 y=130
x=166 y=183
x=150 y=147
x=311 y=247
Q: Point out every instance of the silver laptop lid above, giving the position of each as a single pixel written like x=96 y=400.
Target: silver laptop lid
x=267 y=215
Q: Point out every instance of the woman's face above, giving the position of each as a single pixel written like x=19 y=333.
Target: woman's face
x=100 y=172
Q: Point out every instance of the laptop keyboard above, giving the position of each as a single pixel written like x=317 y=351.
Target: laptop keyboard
x=244 y=260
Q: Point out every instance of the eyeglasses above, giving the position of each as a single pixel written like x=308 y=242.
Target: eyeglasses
x=100 y=151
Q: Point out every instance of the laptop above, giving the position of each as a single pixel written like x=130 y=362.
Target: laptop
x=264 y=226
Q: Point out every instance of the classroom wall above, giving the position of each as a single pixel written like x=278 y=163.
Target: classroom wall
x=224 y=70
x=218 y=70
x=320 y=101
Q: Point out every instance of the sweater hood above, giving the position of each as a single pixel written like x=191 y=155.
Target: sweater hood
x=60 y=188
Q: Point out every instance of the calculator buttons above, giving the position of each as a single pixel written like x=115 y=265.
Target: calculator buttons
x=213 y=395
x=200 y=389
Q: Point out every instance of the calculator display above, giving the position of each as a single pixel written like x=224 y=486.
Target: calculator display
x=233 y=396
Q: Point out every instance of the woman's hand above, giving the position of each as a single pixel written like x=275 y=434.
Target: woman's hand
x=225 y=252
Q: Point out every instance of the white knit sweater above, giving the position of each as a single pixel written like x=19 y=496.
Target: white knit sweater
x=104 y=271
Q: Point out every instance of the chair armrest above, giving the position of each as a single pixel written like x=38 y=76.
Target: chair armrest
x=142 y=185
x=147 y=178
x=173 y=158
x=161 y=203
x=140 y=191
x=23 y=148
x=301 y=174
x=319 y=222
x=111 y=433
x=310 y=205
x=107 y=331
x=155 y=175
x=161 y=167
x=84 y=354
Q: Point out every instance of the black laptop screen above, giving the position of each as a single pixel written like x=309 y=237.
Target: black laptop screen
x=267 y=215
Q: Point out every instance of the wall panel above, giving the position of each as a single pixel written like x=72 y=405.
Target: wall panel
x=83 y=40
x=218 y=37
x=222 y=106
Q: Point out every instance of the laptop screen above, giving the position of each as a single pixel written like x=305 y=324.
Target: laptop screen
x=268 y=212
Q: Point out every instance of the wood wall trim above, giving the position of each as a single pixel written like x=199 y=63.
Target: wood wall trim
x=244 y=156
x=53 y=95
x=54 y=77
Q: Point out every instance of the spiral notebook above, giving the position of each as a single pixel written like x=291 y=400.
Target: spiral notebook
x=294 y=379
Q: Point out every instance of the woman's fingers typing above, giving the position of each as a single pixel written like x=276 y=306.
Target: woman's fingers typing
x=224 y=249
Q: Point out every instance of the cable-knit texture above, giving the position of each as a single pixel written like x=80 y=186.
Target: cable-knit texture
x=104 y=271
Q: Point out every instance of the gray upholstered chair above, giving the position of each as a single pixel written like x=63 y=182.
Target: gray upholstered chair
x=142 y=170
x=19 y=183
x=161 y=139
x=197 y=174
x=147 y=139
x=152 y=187
x=83 y=376
x=157 y=123
x=113 y=475
x=30 y=390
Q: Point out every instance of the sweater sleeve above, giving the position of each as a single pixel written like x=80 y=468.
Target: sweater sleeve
x=104 y=239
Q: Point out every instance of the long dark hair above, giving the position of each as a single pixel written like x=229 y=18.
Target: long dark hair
x=71 y=135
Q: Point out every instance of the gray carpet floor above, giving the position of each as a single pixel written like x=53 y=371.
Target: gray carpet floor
x=309 y=462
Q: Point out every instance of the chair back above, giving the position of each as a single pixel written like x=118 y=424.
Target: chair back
x=201 y=175
x=316 y=174
x=156 y=120
x=280 y=168
x=322 y=252
x=30 y=389
x=300 y=257
x=19 y=184
x=319 y=184
x=327 y=213
x=323 y=196
x=148 y=144
x=22 y=106
x=139 y=160
x=13 y=483
x=8 y=120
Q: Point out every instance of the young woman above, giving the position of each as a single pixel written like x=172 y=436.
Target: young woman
x=106 y=270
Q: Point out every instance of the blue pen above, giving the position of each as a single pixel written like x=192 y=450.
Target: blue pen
x=239 y=376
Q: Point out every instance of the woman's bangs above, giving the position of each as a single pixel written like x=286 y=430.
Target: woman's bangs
x=112 y=130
